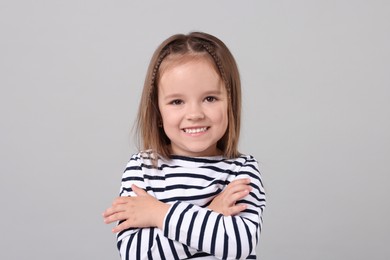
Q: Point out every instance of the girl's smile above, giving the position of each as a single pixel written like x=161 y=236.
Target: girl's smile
x=194 y=130
x=193 y=104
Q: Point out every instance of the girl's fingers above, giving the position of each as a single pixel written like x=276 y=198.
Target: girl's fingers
x=108 y=212
x=237 y=196
x=240 y=181
x=237 y=209
x=113 y=217
x=120 y=200
x=108 y=220
x=122 y=226
x=113 y=210
x=138 y=191
x=237 y=189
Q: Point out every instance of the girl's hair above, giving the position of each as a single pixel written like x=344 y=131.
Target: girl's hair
x=177 y=48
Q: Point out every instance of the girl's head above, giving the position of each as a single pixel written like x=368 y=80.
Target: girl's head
x=192 y=53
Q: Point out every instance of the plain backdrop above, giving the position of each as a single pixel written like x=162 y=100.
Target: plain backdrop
x=316 y=115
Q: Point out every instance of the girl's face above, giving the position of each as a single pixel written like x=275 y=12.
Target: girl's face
x=193 y=104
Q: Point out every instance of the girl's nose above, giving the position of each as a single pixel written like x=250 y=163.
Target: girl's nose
x=195 y=112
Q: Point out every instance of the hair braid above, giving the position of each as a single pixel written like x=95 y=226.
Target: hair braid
x=164 y=53
x=217 y=60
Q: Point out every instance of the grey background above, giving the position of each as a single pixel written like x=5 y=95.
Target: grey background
x=316 y=115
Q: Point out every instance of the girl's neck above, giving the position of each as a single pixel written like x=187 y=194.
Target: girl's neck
x=214 y=153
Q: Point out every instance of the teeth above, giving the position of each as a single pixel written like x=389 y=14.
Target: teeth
x=195 y=130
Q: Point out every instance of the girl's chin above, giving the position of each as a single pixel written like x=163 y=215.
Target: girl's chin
x=195 y=152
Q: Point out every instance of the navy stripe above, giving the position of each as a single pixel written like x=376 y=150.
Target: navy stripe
x=199 y=255
x=133 y=168
x=214 y=236
x=175 y=187
x=128 y=246
x=191 y=198
x=203 y=230
x=151 y=239
x=183 y=186
x=225 y=243
x=244 y=158
x=118 y=244
x=251 y=211
x=190 y=229
x=253 y=222
x=187 y=251
x=237 y=233
x=257 y=198
x=248 y=232
x=119 y=234
x=178 y=226
x=139 y=241
x=188 y=175
x=168 y=218
x=218 y=169
x=253 y=166
x=187 y=187
x=154 y=177
x=254 y=175
x=132 y=178
x=135 y=158
x=148 y=166
x=123 y=231
x=163 y=166
x=255 y=186
x=173 y=250
x=248 y=202
x=159 y=246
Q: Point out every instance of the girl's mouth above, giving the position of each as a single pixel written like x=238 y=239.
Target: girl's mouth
x=195 y=130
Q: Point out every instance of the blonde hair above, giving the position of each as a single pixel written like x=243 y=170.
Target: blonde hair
x=151 y=135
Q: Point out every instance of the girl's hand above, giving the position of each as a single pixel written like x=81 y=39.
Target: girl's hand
x=140 y=211
x=225 y=202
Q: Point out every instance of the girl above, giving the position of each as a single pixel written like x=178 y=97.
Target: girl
x=189 y=193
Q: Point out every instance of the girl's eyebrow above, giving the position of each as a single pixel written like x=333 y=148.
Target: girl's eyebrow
x=206 y=93
x=173 y=96
x=213 y=92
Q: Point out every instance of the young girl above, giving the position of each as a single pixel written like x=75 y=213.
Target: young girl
x=189 y=193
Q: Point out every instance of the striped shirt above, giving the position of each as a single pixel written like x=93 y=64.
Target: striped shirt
x=190 y=229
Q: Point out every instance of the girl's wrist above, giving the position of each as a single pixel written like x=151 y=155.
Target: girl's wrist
x=160 y=213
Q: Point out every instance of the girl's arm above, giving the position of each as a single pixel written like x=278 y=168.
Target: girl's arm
x=136 y=211
x=187 y=228
x=223 y=236
x=226 y=237
x=141 y=211
x=143 y=239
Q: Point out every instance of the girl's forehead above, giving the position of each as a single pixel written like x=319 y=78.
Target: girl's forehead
x=175 y=60
x=193 y=76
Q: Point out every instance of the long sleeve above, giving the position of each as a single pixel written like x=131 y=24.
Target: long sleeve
x=233 y=237
x=190 y=229
x=146 y=243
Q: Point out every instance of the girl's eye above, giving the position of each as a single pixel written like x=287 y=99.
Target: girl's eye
x=176 y=102
x=210 y=99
